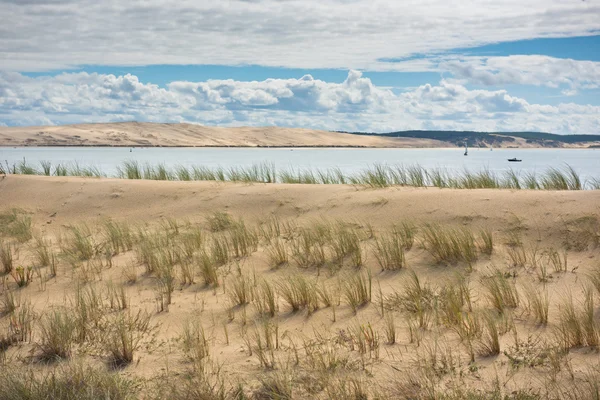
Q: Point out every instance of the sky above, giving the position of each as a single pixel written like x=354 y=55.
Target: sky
x=348 y=65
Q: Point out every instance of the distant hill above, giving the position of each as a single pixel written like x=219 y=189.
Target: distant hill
x=145 y=134
x=500 y=139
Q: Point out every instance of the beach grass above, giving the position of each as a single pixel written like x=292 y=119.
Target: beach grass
x=375 y=176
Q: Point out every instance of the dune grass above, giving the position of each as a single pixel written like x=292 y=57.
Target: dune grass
x=357 y=290
x=299 y=293
x=6 y=257
x=389 y=251
x=375 y=176
x=450 y=245
x=66 y=382
x=501 y=291
x=57 y=335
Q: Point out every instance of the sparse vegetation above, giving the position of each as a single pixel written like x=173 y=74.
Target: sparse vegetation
x=249 y=301
x=376 y=176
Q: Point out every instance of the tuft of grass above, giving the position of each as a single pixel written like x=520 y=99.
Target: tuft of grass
x=277 y=253
x=571 y=330
x=242 y=240
x=130 y=170
x=57 y=334
x=501 y=292
x=117 y=296
x=517 y=256
x=194 y=342
x=364 y=339
x=559 y=262
x=88 y=311
x=512 y=180
x=486 y=245
x=80 y=243
x=42 y=252
x=165 y=273
x=308 y=248
x=124 y=337
x=182 y=173
x=299 y=292
x=489 y=343
x=416 y=298
x=357 y=290
x=6 y=258
x=265 y=298
x=448 y=245
x=219 y=221
x=276 y=385
x=207 y=269
x=119 y=235
x=538 y=303
x=389 y=251
x=240 y=292
x=561 y=179
x=345 y=243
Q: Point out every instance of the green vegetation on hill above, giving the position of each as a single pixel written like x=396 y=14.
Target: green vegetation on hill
x=472 y=138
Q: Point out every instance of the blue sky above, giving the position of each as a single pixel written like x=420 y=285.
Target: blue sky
x=329 y=64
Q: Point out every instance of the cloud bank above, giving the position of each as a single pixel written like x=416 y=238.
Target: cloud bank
x=348 y=34
x=354 y=105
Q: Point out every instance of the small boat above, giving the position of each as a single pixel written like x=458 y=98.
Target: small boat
x=514 y=160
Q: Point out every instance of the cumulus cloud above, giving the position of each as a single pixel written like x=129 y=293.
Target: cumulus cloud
x=43 y=34
x=526 y=70
x=354 y=105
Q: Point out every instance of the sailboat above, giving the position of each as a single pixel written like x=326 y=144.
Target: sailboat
x=466 y=150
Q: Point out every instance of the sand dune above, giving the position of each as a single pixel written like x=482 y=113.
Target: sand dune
x=150 y=134
x=330 y=351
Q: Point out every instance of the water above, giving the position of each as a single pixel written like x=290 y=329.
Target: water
x=585 y=161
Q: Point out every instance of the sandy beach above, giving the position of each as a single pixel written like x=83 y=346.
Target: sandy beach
x=391 y=345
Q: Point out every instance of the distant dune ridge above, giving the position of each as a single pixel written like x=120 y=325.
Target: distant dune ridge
x=145 y=134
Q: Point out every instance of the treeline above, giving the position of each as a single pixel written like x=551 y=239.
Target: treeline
x=473 y=138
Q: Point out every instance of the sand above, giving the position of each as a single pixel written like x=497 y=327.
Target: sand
x=421 y=360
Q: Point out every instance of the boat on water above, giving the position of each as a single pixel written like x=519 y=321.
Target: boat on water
x=514 y=160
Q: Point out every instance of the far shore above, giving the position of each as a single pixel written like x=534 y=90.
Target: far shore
x=136 y=134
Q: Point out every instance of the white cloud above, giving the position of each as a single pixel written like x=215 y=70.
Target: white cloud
x=355 y=104
x=526 y=70
x=45 y=34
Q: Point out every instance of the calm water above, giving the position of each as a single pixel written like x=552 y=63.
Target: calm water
x=586 y=162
